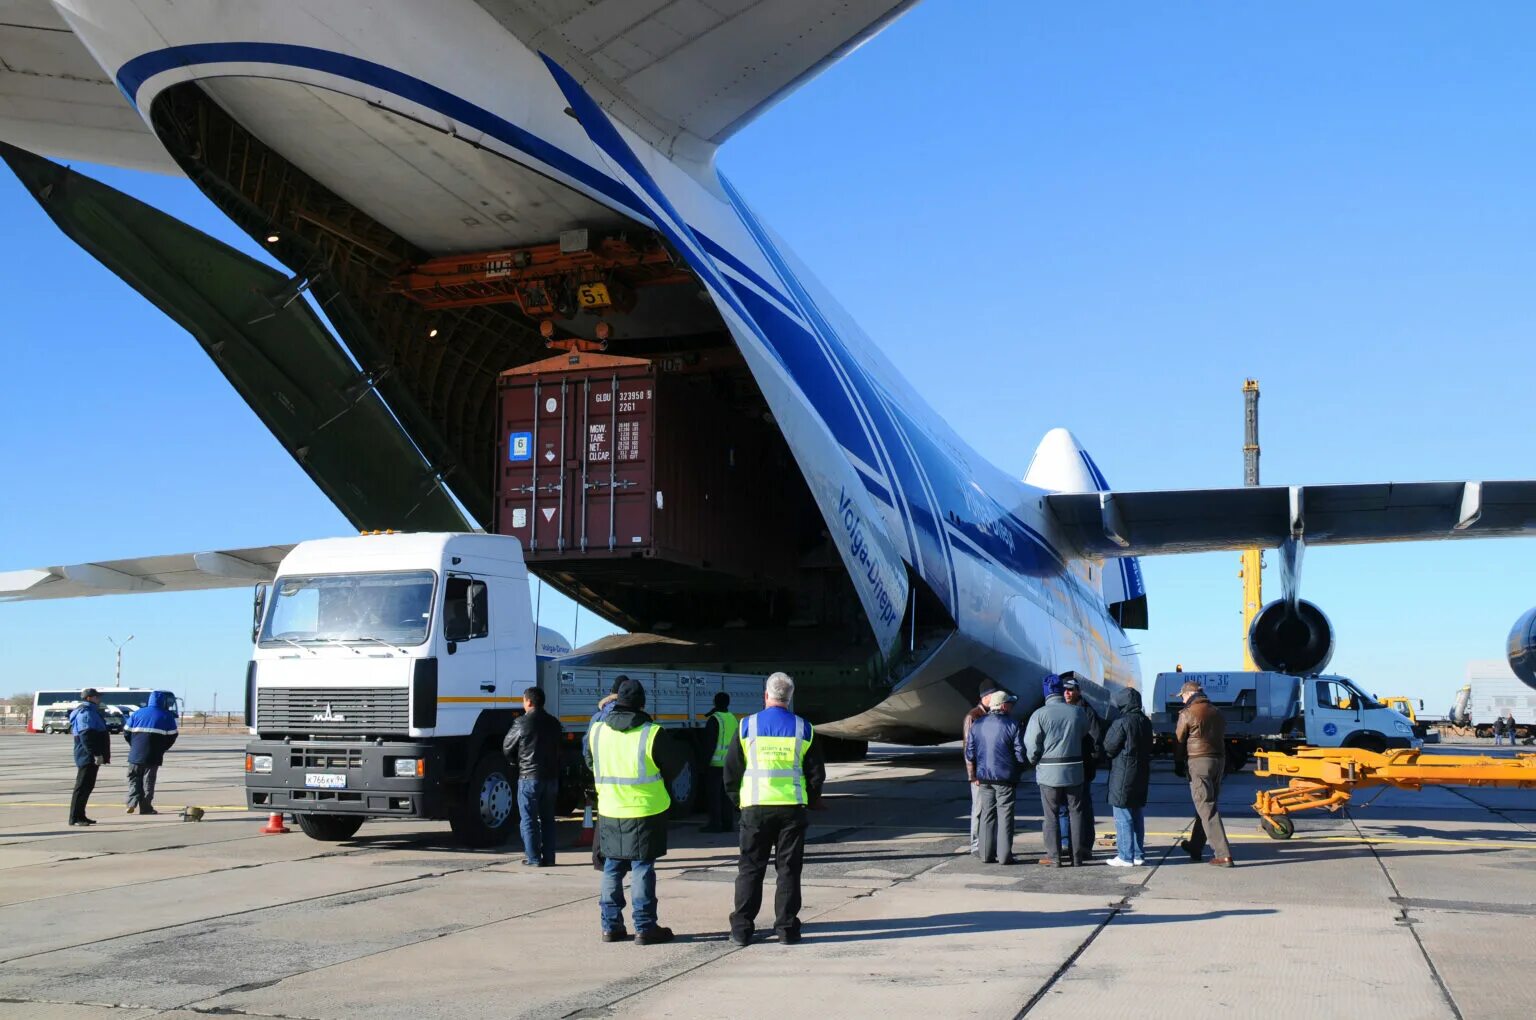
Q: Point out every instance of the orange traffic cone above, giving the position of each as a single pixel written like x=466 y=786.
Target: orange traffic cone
x=585 y=839
x=275 y=825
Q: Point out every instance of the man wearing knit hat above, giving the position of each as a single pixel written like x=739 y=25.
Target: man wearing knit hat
x=632 y=760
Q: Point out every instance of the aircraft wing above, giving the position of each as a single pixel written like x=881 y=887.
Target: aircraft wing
x=55 y=98
x=1204 y=520
x=703 y=68
x=231 y=568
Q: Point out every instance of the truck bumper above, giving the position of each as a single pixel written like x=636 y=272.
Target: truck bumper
x=304 y=779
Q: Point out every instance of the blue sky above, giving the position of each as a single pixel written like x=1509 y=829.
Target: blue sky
x=1100 y=216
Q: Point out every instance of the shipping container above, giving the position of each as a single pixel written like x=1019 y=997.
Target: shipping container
x=618 y=476
x=1496 y=691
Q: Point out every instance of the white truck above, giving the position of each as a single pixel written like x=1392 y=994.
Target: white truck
x=1277 y=711
x=387 y=670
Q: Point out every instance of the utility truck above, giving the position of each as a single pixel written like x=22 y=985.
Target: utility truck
x=1280 y=712
x=387 y=670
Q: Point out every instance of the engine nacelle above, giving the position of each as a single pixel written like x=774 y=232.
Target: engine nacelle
x=1522 y=648
x=1298 y=641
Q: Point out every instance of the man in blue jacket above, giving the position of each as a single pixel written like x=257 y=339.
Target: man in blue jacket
x=995 y=747
x=93 y=749
x=150 y=732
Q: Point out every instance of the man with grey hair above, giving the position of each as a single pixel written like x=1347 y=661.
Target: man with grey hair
x=773 y=771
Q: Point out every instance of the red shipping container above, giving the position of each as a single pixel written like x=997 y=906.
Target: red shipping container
x=603 y=457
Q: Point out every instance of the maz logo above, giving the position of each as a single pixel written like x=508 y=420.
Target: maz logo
x=327 y=715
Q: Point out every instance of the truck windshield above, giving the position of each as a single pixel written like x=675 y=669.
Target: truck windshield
x=395 y=608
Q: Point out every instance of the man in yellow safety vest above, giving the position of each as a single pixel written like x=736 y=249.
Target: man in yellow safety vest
x=773 y=771
x=632 y=760
x=718 y=734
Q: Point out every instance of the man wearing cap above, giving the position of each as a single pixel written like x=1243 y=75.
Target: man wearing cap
x=977 y=711
x=1072 y=693
x=93 y=749
x=994 y=749
x=718 y=734
x=632 y=761
x=1054 y=742
x=1201 y=732
x=773 y=770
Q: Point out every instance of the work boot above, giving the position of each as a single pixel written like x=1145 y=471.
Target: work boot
x=1220 y=862
x=788 y=936
x=131 y=809
x=654 y=936
x=148 y=811
x=1194 y=854
x=741 y=938
x=616 y=935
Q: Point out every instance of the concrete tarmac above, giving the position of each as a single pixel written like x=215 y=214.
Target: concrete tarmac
x=1414 y=906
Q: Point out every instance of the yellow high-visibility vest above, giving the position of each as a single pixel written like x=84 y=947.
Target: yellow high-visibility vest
x=628 y=783
x=775 y=774
x=727 y=723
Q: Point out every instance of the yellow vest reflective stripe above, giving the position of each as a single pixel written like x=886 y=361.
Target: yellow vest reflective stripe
x=624 y=771
x=727 y=723
x=775 y=773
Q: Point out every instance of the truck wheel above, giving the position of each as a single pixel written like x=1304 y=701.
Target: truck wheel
x=487 y=815
x=330 y=828
x=1237 y=758
x=1279 y=827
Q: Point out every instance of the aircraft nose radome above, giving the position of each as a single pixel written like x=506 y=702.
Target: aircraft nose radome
x=1059 y=465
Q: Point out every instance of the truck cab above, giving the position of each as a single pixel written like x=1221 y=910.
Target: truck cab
x=386 y=670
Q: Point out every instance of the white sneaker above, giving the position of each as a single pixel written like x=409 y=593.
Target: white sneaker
x=1115 y=862
x=1140 y=862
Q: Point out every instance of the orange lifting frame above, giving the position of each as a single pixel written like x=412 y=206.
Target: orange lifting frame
x=1325 y=777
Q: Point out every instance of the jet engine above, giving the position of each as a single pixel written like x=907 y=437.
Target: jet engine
x=1293 y=639
x=1522 y=648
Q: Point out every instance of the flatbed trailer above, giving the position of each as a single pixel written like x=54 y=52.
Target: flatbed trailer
x=1324 y=778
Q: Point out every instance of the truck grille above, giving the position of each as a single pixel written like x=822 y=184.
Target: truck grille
x=327 y=711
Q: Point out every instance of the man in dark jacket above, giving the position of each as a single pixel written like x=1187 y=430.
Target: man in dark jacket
x=93 y=749
x=718 y=732
x=1129 y=747
x=604 y=706
x=150 y=732
x=632 y=760
x=994 y=749
x=1202 y=732
x=533 y=745
x=977 y=712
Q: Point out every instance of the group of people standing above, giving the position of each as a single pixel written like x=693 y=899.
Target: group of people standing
x=764 y=767
x=1063 y=742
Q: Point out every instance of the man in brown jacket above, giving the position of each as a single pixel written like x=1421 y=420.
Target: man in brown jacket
x=1202 y=733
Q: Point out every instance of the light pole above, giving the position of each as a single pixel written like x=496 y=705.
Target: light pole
x=119 y=646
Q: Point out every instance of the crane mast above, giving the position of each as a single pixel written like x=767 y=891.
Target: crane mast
x=1253 y=559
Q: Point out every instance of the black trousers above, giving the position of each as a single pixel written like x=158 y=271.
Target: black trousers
x=770 y=831
x=85 y=782
x=721 y=815
x=1081 y=826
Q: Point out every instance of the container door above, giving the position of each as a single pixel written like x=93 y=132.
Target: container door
x=617 y=433
x=535 y=446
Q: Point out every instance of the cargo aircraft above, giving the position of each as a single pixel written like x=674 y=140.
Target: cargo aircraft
x=475 y=187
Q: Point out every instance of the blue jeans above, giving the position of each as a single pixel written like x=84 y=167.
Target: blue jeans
x=610 y=895
x=1130 y=833
x=536 y=804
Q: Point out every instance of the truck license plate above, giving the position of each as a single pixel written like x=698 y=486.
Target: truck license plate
x=324 y=781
